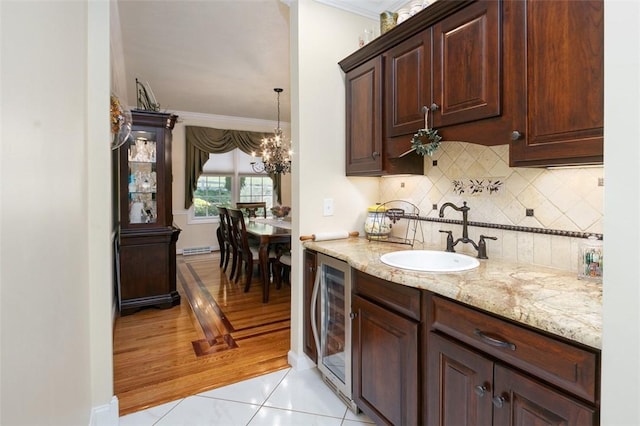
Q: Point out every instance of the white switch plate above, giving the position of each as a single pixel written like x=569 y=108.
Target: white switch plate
x=327 y=207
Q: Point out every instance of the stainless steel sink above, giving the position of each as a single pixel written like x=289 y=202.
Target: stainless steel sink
x=429 y=261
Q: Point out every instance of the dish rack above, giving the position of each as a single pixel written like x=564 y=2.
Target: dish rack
x=395 y=221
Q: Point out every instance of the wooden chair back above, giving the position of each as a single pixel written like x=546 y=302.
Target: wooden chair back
x=244 y=250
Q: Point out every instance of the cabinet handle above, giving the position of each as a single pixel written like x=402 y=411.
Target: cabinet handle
x=515 y=135
x=353 y=315
x=480 y=390
x=493 y=341
x=498 y=401
x=434 y=107
x=375 y=154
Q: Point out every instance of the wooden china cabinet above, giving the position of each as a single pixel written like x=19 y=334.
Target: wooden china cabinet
x=147 y=236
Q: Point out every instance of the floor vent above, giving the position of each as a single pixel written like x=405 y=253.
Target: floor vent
x=196 y=250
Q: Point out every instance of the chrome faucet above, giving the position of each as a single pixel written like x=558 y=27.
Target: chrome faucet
x=481 y=247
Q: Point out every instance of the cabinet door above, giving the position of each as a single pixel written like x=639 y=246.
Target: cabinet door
x=459 y=384
x=563 y=63
x=309 y=276
x=521 y=401
x=364 y=119
x=145 y=172
x=407 y=84
x=467 y=73
x=385 y=364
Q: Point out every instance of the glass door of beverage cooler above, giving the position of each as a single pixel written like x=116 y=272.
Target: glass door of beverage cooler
x=333 y=334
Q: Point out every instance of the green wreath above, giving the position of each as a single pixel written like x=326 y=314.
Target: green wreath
x=421 y=148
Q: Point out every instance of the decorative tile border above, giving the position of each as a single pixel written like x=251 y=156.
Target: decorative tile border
x=476 y=186
x=516 y=228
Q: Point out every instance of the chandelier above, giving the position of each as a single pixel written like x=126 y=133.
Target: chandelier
x=276 y=150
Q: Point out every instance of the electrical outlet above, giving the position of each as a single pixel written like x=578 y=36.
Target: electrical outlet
x=327 y=207
x=434 y=207
x=529 y=212
x=600 y=181
x=401 y=184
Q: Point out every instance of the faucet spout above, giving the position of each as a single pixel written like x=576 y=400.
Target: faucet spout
x=465 y=210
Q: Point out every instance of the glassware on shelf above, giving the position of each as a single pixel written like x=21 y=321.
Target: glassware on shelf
x=591 y=259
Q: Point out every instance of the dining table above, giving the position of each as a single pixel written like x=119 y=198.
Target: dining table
x=268 y=232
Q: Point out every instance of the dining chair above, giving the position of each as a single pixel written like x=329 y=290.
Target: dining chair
x=252 y=207
x=227 y=246
x=246 y=253
x=282 y=265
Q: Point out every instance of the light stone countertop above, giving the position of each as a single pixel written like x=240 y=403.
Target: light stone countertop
x=551 y=300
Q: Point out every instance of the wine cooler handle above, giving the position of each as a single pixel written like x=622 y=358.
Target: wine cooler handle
x=314 y=299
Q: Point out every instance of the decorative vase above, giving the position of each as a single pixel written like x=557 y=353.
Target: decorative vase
x=388 y=20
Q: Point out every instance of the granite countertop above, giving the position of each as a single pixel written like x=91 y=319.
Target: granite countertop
x=548 y=299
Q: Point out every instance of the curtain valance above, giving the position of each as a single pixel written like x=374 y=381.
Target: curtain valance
x=202 y=141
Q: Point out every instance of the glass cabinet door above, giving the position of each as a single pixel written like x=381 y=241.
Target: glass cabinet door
x=142 y=177
x=333 y=319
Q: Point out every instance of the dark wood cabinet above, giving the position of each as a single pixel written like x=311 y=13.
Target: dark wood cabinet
x=408 y=86
x=482 y=369
x=309 y=275
x=147 y=237
x=368 y=152
x=467 y=56
x=421 y=358
x=524 y=73
x=385 y=352
x=561 y=55
x=519 y=401
x=468 y=388
x=459 y=385
x=364 y=119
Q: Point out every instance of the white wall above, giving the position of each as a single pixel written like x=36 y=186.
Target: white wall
x=55 y=261
x=621 y=288
x=321 y=36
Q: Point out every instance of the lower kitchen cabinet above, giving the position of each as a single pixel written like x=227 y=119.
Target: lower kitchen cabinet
x=419 y=358
x=485 y=370
x=385 y=364
x=466 y=387
x=385 y=350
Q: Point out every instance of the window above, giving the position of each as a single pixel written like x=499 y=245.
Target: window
x=225 y=180
x=212 y=191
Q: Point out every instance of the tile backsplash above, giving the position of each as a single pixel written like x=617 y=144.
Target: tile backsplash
x=565 y=199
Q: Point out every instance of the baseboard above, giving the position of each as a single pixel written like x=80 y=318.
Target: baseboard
x=106 y=415
x=299 y=362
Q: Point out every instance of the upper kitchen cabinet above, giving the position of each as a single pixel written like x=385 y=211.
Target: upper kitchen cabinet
x=562 y=58
x=364 y=118
x=525 y=73
x=407 y=84
x=466 y=65
x=367 y=152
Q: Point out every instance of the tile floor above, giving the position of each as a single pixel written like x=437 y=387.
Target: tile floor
x=286 y=397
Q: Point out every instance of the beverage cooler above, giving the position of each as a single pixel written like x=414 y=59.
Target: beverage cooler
x=332 y=288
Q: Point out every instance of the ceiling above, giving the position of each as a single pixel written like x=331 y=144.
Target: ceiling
x=220 y=57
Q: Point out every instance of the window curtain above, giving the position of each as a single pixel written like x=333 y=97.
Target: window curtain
x=202 y=141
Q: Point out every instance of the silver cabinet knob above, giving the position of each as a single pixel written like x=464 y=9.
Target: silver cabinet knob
x=498 y=401
x=375 y=154
x=434 y=107
x=480 y=390
x=515 y=135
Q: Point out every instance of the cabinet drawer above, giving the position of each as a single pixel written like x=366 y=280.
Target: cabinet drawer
x=402 y=299
x=562 y=364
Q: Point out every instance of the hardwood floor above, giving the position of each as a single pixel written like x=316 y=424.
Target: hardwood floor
x=218 y=335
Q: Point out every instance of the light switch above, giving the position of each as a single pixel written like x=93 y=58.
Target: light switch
x=327 y=208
